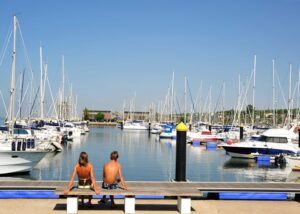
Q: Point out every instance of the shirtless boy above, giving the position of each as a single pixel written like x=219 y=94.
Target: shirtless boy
x=112 y=175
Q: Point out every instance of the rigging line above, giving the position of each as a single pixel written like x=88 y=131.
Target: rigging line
x=282 y=94
x=33 y=103
x=28 y=61
x=245 y=97
x=53 y=106
x=4 y=104
x=22 y=101
x=205 y=107
x=217 y=104
x=9 y=33
x=178 y=104
x=191 y=97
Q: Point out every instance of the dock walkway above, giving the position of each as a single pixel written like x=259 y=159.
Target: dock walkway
x=201 y=186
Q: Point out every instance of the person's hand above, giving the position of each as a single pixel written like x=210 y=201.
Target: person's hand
x=66 y=192
x=125 y=188
x=97 y=191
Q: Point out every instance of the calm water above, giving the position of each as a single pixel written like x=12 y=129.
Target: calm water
x=144 y=157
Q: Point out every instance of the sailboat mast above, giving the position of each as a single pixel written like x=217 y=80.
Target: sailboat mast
x=41 y=84
x=253 y=95
x=185 y=86
x=209 y=107
x=21 y=92
x=63 y=88
x=290 y=94
x=13 y=76
x=223 y=105
x=274 y=114
x=298 y=94
x=239 y=101
x=172 y=97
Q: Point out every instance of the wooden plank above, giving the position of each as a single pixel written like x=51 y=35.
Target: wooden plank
x=149 y=185
x=136 y=191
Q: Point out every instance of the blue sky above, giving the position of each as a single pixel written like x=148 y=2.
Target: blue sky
x=114 y=48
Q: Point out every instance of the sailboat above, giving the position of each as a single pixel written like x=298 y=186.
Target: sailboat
x=17 y=154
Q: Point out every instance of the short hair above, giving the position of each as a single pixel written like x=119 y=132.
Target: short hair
x=83 y=159
x=114 y=155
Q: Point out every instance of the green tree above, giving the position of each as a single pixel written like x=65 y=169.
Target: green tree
x=85 y=114
x=99 y=116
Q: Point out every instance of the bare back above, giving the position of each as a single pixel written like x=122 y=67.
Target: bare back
x=111 y=172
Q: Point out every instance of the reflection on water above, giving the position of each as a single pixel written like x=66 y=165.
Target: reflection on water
x=256 y=172
x=145 y=157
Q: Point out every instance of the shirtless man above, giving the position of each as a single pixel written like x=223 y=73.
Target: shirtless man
x=112 y=175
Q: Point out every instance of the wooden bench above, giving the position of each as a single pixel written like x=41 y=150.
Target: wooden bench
x=182 y=193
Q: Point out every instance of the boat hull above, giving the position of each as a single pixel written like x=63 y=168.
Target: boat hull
x=246 y=152
x=18 y=162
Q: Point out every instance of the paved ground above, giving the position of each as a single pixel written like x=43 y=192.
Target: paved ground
x=45 y=206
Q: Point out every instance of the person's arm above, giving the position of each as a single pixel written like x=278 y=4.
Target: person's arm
x=103 y=174
x=67 y=190
x=97 y=191
x=122 y=178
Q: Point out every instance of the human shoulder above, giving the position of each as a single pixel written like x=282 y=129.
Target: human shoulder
x=90 y=165
x=118 y=164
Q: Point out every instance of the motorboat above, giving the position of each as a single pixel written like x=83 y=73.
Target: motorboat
x=294 y=161
x=156 y=128
x=203 y=136
x=135 y=125
x=271 y=142
x=168 y=132
x=19 y=155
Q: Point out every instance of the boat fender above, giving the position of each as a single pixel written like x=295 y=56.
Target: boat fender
x=19 y=146
x=32 y=143
x=28 y=143
x=24 y=146
x=229 y=142
x=13 y=146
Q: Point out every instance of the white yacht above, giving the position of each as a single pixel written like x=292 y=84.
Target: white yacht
x=135 y=125
x=294 y=161
x=19 y=155
x=270 y=142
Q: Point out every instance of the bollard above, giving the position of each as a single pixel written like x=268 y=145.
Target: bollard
x=299 y=136
x=241 y=132
x=209 y=127
x=122 y=124
x=149 y=127
x=181 y=152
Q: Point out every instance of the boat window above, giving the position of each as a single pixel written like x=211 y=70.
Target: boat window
x=277 y=139
x=20 y=131
x=259 y=138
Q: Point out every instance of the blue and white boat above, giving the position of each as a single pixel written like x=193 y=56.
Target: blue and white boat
x=271 y=142
x=168 y=132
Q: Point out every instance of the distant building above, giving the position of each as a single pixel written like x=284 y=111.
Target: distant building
x=137 y=115
x=92 y=115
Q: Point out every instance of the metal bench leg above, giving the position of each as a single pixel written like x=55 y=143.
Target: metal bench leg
x=72 y=205
x=184 y=205
x=129 y=204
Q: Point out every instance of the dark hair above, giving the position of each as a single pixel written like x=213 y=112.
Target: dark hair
x=83 y=159
x=114 y=155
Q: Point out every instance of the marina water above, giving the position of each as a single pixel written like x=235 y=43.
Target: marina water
x=144 y=157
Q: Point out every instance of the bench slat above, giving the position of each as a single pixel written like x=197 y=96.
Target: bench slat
x=136 y=191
